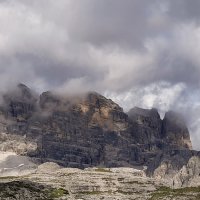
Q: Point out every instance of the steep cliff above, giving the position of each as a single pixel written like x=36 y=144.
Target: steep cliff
x=86 y=130
x=175 y=130
x=178 y=168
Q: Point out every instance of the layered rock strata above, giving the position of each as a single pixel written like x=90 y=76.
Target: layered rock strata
x=86 y=130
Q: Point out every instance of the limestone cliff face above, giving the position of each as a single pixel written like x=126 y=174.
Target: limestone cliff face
x=82 y=131
x=20 y=103
x=86 y=130
x=175 y=130
x=178 y=168
x=147 y=125
x=169 y=133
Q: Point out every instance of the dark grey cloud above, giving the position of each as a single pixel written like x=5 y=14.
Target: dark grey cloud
x=139 y=52
x=184 y=10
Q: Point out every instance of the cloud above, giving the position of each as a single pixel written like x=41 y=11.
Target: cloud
x=138 y=52
x=161 y=95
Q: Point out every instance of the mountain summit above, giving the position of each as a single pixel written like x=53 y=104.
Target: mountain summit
x=86 y=130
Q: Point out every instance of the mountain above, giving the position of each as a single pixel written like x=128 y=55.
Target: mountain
x=87 y=130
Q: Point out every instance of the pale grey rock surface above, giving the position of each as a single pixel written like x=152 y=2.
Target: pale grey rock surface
x=98 y=184
x=12 y=164
x=176 y=168
x=175 y=130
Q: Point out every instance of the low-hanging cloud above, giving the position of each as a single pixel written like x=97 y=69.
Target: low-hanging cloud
x=139 y=52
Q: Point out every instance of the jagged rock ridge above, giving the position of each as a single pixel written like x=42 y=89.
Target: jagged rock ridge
x=86 y=130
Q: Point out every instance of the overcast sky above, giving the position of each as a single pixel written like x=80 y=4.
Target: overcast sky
x=138 y=52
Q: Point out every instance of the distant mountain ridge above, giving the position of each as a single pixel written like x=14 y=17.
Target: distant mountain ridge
x=89 y=130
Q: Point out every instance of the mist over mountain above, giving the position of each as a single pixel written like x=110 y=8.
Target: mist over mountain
x=137 y=52
x=56 y=141
x=86 y=129
x=99 y=99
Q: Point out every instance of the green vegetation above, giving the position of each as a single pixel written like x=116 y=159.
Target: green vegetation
x=60 y=192
x=189 y=192
x=29 y=190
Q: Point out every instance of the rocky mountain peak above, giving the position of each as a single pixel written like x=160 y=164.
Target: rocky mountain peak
x=20 y=93
x=175 y=130
x=19 y=102
x=25 y=92
x=48 y=100
x=101 y=101
x=88 y=129
x=151 y=113
x=176 y=118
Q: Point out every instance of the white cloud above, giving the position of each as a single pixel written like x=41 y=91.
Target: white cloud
x=161 y=95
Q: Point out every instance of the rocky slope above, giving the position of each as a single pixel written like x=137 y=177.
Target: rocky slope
x=89 y=130
x=50 y=181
